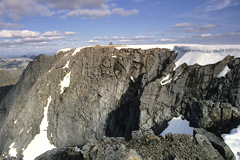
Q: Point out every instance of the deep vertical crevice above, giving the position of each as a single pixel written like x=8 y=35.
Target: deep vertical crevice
x=125 y=119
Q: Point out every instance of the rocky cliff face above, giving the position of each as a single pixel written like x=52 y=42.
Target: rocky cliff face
x=76 y=96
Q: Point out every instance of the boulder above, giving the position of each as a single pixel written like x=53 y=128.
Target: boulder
x=217 y=143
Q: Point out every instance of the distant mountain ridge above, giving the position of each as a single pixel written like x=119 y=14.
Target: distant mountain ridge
x=16 y=62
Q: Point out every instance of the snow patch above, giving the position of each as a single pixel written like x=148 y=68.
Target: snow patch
x=132 y=79
x=177 y=76
x=21 y=131
x=29 y=130
x=40 y=143
x=12 y=150
x=15 y=121
x=78 y=149
x=64 y=50
x=76 y=51
x=166 y=80
x=224 y=72
x=178 y=126
x=65 y=82
x=233 y=141
x=67 y=65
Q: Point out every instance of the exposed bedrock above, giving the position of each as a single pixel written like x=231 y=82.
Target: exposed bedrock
x=102 y=91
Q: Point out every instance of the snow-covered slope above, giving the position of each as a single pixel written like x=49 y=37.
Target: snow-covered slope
x=233 y=141
x=195 y=53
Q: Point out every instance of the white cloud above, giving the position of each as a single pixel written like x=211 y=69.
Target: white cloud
x=18 y=33
x=67 y=33
x=206 y=35
x=27 y=37
x=51 y=33
x=138 y=0
x=75 y=4
x=91 y=13
x=15 y=9
x=183 y=25
x=216 y=36
x=214 y=5
x=125 y=38
x=191 y=27
x=167 y=40
x=123 y=12
x=93 y=41
x=204 y=28
x=8 y=25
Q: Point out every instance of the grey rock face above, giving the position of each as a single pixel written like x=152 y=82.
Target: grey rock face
x=207 y=146
x=217 y=142
x=102 y=91
x=212 y=116
x=61 y=154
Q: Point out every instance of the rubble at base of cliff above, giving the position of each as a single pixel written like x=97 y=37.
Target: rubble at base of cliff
x=145 y=145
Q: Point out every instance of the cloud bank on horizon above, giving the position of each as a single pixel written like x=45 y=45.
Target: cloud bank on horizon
x=45 y=26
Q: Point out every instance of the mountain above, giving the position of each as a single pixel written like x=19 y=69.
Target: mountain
x=78 y=104
x=11 y=69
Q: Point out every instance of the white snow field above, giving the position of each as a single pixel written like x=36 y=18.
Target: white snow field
x=233 y=141
x=178 y=126
x=195 y=53
x=40 y=143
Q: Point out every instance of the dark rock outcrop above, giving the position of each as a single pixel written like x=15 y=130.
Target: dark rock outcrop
x=102 y=91
x=212 y=116
x=217 y=142
x=62 y=154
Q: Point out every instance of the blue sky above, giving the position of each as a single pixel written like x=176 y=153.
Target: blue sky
x=45 y=26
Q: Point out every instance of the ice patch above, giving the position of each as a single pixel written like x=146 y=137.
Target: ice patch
x=67 y=65
x=65 y=82
x=40 y=143
x=166 y=80
x=224 y=72
x=178 y=126
x=233 y=141
x=12 y=150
